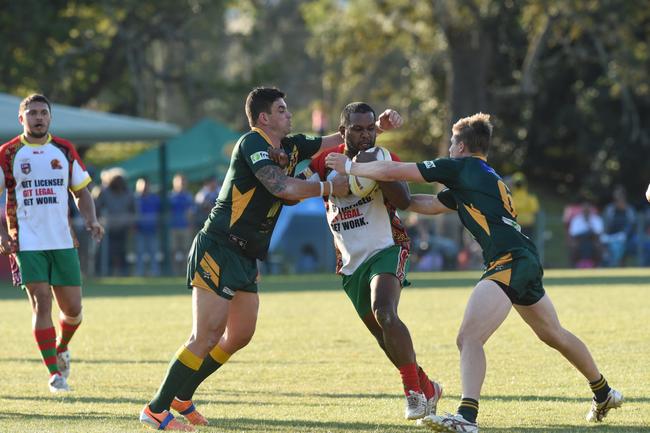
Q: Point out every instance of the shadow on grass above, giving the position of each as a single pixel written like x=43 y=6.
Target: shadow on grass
x=311 y=426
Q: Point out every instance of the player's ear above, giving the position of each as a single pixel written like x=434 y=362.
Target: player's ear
x=21 y=119
x=263 y=118
x=342 y=132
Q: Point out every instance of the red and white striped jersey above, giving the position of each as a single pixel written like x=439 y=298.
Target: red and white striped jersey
x=37 y=178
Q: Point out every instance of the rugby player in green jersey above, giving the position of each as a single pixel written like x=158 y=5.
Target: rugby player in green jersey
x=222 y=264
x=513 y=272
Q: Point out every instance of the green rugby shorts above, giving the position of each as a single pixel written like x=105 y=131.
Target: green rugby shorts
x=519 y=274
x=216 y=267
x=55 y=267
x=393 y=260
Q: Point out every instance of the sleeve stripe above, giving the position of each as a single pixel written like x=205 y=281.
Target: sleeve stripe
x=81 y=185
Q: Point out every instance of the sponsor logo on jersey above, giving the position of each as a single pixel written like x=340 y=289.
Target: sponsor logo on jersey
x=56 y=164
x=429 y=164
x=25 y=167
x=228 y=291
x=259 y=156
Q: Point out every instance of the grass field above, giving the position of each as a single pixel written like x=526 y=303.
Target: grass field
x=312 y=366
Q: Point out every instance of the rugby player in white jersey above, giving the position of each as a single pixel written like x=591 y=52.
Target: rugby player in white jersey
x=372 y=249
x=38 y=170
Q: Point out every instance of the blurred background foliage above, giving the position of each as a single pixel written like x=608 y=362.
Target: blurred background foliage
x=566 y=81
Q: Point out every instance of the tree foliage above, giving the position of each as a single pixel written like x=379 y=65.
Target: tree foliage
x=566 y=82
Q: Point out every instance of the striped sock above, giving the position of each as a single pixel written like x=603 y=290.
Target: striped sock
x=182 y=367
x=425 y=384
x=600 y=388
x=468 y=408
x=46 y=340
x=67 y=331
x=215 y=359
x=410 y=378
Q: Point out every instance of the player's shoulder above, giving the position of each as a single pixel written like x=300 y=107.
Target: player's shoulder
x=62 y=142
x=11 y=143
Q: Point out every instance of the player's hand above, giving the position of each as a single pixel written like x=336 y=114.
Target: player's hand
x=96 y=230
x=389 y=119
x=336 y=161
x=341 y=185
x=7 y=246
x=279 y=156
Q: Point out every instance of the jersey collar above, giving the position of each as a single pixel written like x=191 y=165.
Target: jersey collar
x=263 y=134
x=481 y=157
x=27 y=143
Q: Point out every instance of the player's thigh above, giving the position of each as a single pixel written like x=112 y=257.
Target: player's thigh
x=541 y=316
x=385 y=290
x=242 y=321
x=40 y=296
x=209 y=313
x=487 y=308
x=68 y=298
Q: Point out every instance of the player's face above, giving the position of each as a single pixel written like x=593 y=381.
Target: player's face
x=280 y=118
x=456 y=148
x=361 y=134
x=36 y=119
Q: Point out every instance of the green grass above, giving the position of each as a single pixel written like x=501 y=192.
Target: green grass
x=312 y=366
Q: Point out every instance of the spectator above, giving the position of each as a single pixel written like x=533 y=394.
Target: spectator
x=116 y=205
x=585 y=229
x=526 y=204
x=146 y=228
x=620 y=224
x=181 y=204
x=205 y=199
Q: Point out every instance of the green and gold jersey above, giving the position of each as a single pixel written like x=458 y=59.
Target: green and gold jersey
x=246 y=212
x=483 y=201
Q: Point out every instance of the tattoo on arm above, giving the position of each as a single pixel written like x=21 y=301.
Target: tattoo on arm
x=273 y=179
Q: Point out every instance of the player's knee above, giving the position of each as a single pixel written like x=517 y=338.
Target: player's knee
x=71 y=314
x=551 y=336
x=42 y=303
x=386 y=317
x=466 y=338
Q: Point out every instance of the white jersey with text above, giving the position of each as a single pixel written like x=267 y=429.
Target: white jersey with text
x=37 y=179
x=361 y=226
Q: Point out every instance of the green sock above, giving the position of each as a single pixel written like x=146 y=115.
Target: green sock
x=215 y=359
x=182 y=367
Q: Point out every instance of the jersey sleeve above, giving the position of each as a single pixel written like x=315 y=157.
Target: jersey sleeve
x=307 y=145
x=443 y=170
x=79 y=177
x=254 y=150
x=447 y=198
x=317 y=167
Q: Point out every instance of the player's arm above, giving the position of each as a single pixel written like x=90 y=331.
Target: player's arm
x=389 y=119
x=428 y=204
x=396 y=192
x=647 y=194
x=7 y=245
x=378 y=170
x=86 y=205
x=288 y=188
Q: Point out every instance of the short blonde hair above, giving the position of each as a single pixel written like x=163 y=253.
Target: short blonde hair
x=475 y=131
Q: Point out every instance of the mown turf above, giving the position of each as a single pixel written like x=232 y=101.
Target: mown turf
x=312 y=366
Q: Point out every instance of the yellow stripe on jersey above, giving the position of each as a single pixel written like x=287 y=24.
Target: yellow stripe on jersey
x=188 y=358
x=239 y=203
x=500 y=261
x=263 y=134
x=27 y=143
x=82 y=185
x=479 y=218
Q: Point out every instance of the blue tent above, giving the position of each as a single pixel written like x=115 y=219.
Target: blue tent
x=200 y=152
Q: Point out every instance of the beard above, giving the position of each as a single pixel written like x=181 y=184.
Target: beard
x=37 y=134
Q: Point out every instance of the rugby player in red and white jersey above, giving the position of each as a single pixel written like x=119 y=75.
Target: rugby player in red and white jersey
x=38 y=170
x=373 y=256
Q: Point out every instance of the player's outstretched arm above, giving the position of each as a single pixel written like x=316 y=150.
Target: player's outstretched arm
x=378 y=170
x=427 y=204
x=288 y=188
x=647 y=194
x=389 y=119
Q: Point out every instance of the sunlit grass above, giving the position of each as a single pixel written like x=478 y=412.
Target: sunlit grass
x=312 y=366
